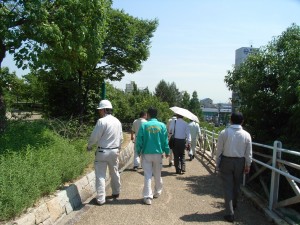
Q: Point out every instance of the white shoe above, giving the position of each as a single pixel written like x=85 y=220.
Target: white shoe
x=100 y=203
x=147 y=201
x=156 y=195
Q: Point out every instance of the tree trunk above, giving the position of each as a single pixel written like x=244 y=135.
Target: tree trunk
x=2 y=102
x=2 y=112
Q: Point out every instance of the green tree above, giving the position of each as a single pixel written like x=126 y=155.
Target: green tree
x=61 y=36
x=168 y=93
x=268 y=85
x=185 y=100
x=195 y=106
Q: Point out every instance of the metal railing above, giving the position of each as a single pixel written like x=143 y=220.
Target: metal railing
x=265 y=158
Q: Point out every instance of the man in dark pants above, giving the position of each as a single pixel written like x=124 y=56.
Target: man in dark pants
x=182 y=140
x=234 y=157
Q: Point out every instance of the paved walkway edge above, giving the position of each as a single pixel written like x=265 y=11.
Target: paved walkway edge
x=53 y=209
x=262 y=205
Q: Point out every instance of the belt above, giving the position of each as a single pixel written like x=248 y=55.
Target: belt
x=106 y=149
x=228 y=157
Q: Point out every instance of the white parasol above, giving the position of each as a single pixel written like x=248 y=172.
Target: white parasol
x=185 y=113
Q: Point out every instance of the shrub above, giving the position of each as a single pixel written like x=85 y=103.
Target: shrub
x=36 y=161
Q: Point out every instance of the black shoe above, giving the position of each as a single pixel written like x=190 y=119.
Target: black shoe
x=135 y=168
x=178 y=171
x=183 y=171
x=116 y=196
x=170 y=164
x=229 y=218
x=193 y=157
x=234 y=207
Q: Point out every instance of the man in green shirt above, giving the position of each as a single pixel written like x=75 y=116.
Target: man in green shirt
x=151 y=144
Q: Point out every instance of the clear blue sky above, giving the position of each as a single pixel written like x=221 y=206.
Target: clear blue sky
x=194 y=45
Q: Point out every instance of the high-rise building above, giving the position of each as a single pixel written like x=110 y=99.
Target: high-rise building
x=241 y=55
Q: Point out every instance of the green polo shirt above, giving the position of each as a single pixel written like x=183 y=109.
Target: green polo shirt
x=152 y=138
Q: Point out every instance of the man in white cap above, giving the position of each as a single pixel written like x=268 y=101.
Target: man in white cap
x=108 y=136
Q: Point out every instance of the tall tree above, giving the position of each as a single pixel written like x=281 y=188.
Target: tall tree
x=195 y=106
x=168 y=93
x=79 y=44
x=61 y=36
x=185 y=100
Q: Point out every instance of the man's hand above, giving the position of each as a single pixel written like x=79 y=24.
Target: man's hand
x=247 y=169
x=89 y=148
x=188 y=147
x=167 y=155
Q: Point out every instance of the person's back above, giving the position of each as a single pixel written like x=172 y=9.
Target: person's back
x=236 y=142
x=154 y=137
x=194 y=129
x=134 y=131
x=234 y=156
x=108 y=135
x=195 y=133
x=152 y=142
x=111 y=135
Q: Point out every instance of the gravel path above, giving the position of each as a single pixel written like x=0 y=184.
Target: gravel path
x=195 y=197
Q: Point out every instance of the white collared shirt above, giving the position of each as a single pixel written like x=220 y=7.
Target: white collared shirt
x=182 y=130
x=235 y=142
x=136 y=125
x=107 y=133
x=194 y=129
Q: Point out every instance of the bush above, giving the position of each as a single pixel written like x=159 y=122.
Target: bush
x=35 y=162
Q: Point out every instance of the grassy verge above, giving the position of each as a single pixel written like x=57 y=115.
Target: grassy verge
x=34 y=162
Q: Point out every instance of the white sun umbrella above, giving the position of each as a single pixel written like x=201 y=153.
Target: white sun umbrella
x=185 y=113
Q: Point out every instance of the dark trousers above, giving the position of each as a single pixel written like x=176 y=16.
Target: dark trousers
x=179 y=154
x=231 y=170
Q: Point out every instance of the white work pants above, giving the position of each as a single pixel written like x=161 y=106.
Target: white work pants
x=103 y=159
x=136 y=161
x=193 y=146
x=152 y=164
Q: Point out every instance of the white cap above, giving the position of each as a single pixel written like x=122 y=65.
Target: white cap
x=105 y=104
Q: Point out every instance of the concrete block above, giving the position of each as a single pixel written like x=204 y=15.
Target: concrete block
x=41 y=213
x=81 y=183
x=48 y=222
x=55 y=209
x=63 y=198
x=72 y=191
x=91 y=176
x=69 y=208
x=27 y=219
x=76 y=201
x=85 y=193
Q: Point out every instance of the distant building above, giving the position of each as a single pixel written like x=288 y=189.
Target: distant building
x=241 y=55
x=215 y=113
x=130 y=87
x=206 y=103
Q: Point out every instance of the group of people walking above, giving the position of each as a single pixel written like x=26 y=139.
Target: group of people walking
x=151 y=138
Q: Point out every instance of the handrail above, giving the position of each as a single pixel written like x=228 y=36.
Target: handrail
x=208 y=144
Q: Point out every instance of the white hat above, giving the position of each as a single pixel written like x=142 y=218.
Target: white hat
x=105 y=104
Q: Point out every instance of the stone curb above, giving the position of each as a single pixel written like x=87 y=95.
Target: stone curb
x=72 y=197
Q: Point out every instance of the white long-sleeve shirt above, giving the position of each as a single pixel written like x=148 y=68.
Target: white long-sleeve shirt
x=194 y=129
x=182 y=130
x=235 y=142
x=107 y=133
